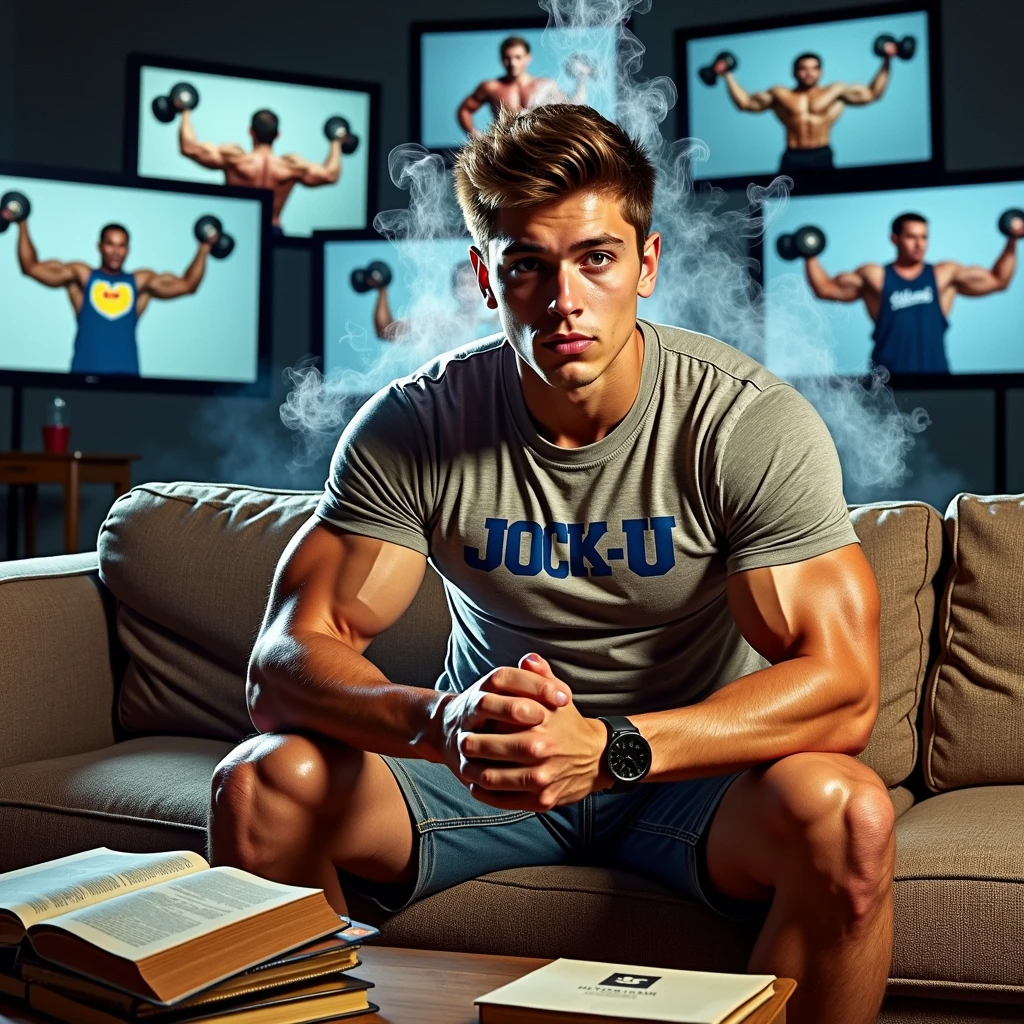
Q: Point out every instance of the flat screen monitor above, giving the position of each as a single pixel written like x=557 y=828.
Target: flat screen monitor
x=311 y=140
x=385 y=308
x=464 y=70
x=113 y=283
x=944 y=307
x=851 y=93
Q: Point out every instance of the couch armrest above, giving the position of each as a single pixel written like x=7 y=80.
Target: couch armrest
x=56 y=674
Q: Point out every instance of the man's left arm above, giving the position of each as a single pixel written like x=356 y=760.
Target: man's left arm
x=171 y=286
x=859 y=95
x=973 y=281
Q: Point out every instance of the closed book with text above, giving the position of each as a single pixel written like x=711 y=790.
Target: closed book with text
x=589 y=992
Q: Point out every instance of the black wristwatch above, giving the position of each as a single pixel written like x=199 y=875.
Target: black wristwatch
x=627 y=755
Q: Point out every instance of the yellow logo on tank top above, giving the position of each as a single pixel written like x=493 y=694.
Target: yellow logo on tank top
x=111 y=300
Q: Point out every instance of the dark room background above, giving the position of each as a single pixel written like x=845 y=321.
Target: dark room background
x=62 y=76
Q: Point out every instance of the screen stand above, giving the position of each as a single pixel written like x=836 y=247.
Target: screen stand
x=13 y=491
x=1000 y=446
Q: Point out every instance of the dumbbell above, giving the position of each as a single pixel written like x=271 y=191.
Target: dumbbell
x=376 y=275
x=14 y=207
x=338 y=128
x=804 y=242
x=725 y=61
x=183 y=96
x=1011 y=223
x=905 y=47
x=210 y=230
x=578 y=66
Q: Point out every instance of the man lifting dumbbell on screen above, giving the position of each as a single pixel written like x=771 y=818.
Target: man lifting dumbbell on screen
x=909 y=300
x=259 y=167
x=107 y=301
x=808 y=110
x=517 y=89
x=471 y=316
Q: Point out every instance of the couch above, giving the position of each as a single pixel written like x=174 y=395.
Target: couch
x=121 y=687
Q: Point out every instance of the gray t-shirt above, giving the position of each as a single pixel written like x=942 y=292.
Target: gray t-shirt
x=609 y=560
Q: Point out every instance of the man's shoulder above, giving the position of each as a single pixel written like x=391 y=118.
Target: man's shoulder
x=456 y=373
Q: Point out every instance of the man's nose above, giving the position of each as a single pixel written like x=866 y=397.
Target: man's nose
x=567 y=300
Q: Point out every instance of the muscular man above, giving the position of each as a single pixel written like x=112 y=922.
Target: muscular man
x=469 y=320
x=517 y=89
x=909 y=299
x=809 y=110
x=632 y=521
x=107 y=301
x=260 y=167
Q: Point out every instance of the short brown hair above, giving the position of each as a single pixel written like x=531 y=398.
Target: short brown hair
x=543 y=153
x=509 y=41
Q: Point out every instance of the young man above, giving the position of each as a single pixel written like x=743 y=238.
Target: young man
x=260 y=167
x=910 y=300
x=808 y=110
x=631 y=520
x=107 y=301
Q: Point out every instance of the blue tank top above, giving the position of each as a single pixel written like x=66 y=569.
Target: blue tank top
x=910 y=326
x=105 y=342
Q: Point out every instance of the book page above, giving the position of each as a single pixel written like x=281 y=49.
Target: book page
x=151 y=920
x=45 y=890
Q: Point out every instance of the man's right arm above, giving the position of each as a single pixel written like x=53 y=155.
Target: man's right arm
x=51 y=273
x=469 y=106
x=848 y=286
x=206 y=154
x=753 y=103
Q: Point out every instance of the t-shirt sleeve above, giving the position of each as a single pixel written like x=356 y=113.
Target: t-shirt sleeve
x=379 y=483
x=778 y=491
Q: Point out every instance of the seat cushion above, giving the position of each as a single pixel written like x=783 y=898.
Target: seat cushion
x=903 y=543
x=974 y=708
x=142 y=795
x=191 y=567
x=960 y=894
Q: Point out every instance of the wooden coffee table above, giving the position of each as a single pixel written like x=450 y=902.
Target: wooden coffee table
x=417 y=986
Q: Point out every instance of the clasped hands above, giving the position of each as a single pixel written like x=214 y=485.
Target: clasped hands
x=518 y=742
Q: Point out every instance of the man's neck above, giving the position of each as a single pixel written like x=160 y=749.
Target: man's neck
x=908 y=269
x=582 y=416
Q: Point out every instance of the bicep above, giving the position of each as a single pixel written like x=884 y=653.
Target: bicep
x=826 y=606
x=974 y=281
x=341 y=584
x=758 y=101
x=164 y=286
x=856 y=95
x=849 y=286
x=207 y=154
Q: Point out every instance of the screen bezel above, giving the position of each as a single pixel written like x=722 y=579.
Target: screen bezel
x=851 y=179
x=133 y=86
x=259 y=388
x=420 y=28
x=947 y=179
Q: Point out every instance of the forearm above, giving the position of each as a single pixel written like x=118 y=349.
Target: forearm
x=319 y=684
x=804 y=704
x=737 y=93
x=28 y=258
x=464 y=116
x=196 y=268
x=818 y=278
x=186 y=133
x=332 y=165
x=382 y=318
x=880 y=81
x=1006 y=265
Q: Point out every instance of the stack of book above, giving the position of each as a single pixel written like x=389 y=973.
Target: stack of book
x=105 y=938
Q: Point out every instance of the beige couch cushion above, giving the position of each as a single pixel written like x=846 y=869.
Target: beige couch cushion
x=903 y=543
x=191 y=566
x=974 y=709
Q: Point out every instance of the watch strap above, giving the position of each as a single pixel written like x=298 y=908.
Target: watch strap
x=617 y=724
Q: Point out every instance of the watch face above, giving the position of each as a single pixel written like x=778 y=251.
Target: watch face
x=629 y=757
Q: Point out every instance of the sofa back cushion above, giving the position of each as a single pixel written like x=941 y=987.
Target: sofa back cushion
x=974 y=705
x=191 y=566
x=903 y=542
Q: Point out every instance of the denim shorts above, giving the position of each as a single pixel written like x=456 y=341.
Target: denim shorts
x=657 y=830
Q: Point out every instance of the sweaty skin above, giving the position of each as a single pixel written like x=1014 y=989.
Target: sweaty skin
x=113 y=247
x=260 y=167
x=952 y=279
x=808 y=110
x=517 y=89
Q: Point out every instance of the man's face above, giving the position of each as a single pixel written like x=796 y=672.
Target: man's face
x=565 y=277
x=113 y=249
x=808 y=73
x=515 y=60
x=912 y=242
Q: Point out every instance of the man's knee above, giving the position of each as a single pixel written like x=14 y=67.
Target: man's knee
x=836 y=815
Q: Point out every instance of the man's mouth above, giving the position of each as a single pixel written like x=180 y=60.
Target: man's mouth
x=569 y=344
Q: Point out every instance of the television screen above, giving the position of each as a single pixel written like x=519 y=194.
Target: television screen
x=310 y=141
x=388 y=307
x=467 y=70
x=922 y=281
x=131 y=285
x=807 y=97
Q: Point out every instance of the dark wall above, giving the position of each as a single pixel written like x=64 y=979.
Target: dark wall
x=61 y=103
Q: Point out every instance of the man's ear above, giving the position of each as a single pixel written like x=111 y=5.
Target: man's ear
x=483 y=278
x=649 y=265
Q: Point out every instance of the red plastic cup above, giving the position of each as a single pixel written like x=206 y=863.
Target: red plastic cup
x=56 y=437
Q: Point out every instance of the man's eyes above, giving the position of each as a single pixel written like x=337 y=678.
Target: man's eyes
x=530 y=264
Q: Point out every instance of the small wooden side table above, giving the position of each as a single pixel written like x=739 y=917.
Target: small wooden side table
x=69 y=469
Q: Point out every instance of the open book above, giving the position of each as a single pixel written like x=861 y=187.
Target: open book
x=160 y=926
